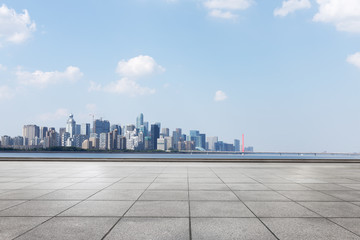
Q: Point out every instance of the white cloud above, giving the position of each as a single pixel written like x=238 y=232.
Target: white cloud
x=124 y=86
x=290 y=6
x=220 y=96
x=222 y=14
x=15 y=27
x=60 y=113
x=42 y=79
x=138 y=66
x=6 y=92
x=354 y=59
x=225 y=8
x=2 y=67
x=344 y=14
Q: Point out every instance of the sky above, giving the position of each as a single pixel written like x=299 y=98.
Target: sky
x=284 y=73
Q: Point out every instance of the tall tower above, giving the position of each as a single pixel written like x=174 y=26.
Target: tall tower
x=140 y=120
x=243 y=143
x=70 y=125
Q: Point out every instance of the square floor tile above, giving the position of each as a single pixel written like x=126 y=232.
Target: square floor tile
x=333 y=209
x=307 y=228
x=80 y=228
x=117 y=194
x=248 y=187
x=351 y=196
x=169 y=186
x=264 y=196
x=38 y=208
x=207 y=186
x=308 y=196
x=164 y=195
x=352 y=224
x=133 y=186
x=213 y=195
x=279 y=209
x=9 y=203
x=287 y=187
x=219 y=209
x=11 y=227
x=159 y=209
x=325 y=186
x=229 y=229
x=24 y=194
x=150 y=228
x=68 y=195
x=99 y=209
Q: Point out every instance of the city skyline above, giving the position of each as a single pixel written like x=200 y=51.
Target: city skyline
x=284 y=73
x=102 y=135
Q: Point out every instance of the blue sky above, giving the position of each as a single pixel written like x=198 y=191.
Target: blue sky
x=284 y=73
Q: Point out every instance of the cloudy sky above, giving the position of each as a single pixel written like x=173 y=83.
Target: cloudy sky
x=284 y=73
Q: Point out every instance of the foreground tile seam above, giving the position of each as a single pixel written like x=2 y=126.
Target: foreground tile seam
x=64 y=210
x=108 y=232
x=188 y=184
x=246 y=206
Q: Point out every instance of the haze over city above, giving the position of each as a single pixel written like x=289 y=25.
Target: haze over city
x=284 y=73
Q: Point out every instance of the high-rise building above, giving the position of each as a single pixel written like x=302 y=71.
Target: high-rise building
x=94 y=142
x=140 y=120
x=71 y=125
x=211 y=142
x=155 y=133
x=165 y=132
x=236 y=145
x=101 y=126
x=30 y=132
x=176 y=138
x=116 y=126
x=169 y=143
x=103 y=141
x=18 y=141
x=43 y=131
x=6 y=141
x=121 y=142
x=161 y=144
x=64 y=138
x=85 y=129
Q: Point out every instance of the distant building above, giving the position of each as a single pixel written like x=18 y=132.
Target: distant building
x=249 y=149
x=78 y=129
x=103 y=141
x=101 y=126
x=121 y=142
x=161 y=144
x=140 y=120
x=94 y=143
x=85 y=144
x=165 y=132
x=85 y=129
x=169 y=143
x=43 y=131
x=236 y=145
x=211 y=142
x=6 y=141
x=155 y=133
x=30 y=133
x=71 y=125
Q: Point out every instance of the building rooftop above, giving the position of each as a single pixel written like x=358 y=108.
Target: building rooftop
x=117 y=200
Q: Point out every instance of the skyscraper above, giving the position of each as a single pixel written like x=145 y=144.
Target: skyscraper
x=30 y=133
x=236 y=145
x=70 y=125
x=101 y=126
x=212 y=143
x=155 y=133
x=140 y=120
x=85 y=129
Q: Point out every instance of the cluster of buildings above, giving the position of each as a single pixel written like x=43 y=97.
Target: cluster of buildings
x=104 y=136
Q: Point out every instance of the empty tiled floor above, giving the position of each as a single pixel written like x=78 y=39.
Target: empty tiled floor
x=89 y=200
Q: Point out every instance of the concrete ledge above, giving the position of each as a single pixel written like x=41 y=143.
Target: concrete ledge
x=240 y=160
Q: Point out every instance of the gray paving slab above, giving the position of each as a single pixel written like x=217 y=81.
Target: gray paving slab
x=229 y=229
x=279 y=209
x=350 y=186
x=287 y=187
x=131 y=186
x=308 y=196
x=38 y=208
x=333 y=209
x=219 y=209
x=69 y=194
x=248 y=186
x=213 y=195
x=159 y=209
x=351 y=224
x=169 y=186
x=264 y=196
x=9 y=203
x=63 y=228
x=307 y=228
x=11 y=227
x=164 y=195
x=352 y=196
x=24 y=194
x=117 y=194
x=150 y=228
x=87 y=185
x=98 y=209
x=326 y=186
